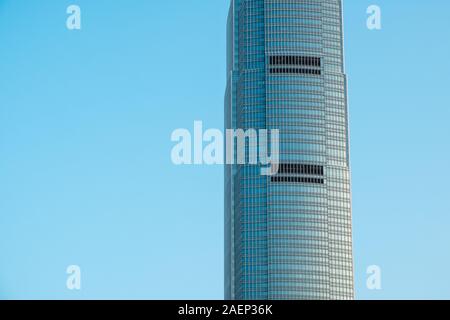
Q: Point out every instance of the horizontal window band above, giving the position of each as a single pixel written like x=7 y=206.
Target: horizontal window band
x=298 y=180
x=295 y=71
x=295 y=61
x=294 y=168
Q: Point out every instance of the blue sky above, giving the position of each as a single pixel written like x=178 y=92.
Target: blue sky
x=86 y=176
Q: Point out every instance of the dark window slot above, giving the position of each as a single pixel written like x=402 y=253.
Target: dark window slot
x=295 y=61
x=307 y=169
x=298 y=180
x=295 y=71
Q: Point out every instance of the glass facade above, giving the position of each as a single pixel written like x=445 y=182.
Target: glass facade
x=289 y=236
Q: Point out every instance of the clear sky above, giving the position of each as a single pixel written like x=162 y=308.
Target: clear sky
x=86 y=176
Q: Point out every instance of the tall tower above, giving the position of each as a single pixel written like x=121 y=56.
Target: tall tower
x=289 y=236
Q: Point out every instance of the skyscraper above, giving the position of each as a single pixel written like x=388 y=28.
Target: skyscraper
x=289 y=236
